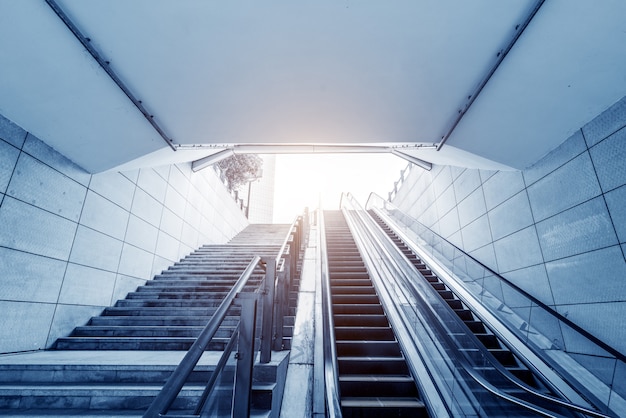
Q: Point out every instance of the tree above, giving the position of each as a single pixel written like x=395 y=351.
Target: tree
x=239 y=169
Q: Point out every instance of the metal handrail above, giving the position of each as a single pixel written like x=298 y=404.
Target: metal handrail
x=331 y=374
x=273 y=310
x=468 y=368
x=179 y=376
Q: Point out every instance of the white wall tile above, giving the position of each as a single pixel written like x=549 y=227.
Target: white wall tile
x=11 y=132
x=171 y=223
x=35 y=183
x=25 y=325
x=104 y=216
x=115 y=187
x=511 y=216
x=27 y=228
x=124 y=285
x=29 y=277
x=577 y=177
x=583 y=228
x=67 y=317
x=135 y=262
x=87 y=286
x=606 y=282
x=472 y=207
x=175 y=202
x=167 y=247
x=152 y=183
x=95 y=249
x=518 y=250
x=7 y=163
x=147 y=208
x=38 y=149
x=141 y=234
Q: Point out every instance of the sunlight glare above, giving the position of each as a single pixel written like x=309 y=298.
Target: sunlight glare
x=305 y=180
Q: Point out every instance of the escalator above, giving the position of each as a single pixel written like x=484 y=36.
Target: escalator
x=374 y=379
x=494 y=345
x=408 y=343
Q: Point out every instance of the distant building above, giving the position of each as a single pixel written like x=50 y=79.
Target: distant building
x=258 y=195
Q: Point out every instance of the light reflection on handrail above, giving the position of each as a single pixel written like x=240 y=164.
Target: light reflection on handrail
x=364 y=218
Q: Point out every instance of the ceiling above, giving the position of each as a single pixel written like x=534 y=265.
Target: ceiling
x=197 y=76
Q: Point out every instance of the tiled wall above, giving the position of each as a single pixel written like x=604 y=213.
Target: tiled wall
x=556 y=229
x=72 y=243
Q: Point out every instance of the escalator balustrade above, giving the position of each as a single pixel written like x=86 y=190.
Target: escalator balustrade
x=500 y=351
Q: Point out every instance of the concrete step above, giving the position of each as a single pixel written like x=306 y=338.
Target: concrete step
x=148 y=331
x=163 y=311
x=119 y=381
x=134 y=343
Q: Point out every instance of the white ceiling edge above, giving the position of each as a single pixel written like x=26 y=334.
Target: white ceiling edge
x=565 y=69
x=164 y=156
x=451 y=155
x=51 y=87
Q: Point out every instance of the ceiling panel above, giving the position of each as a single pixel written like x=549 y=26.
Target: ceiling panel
x=316 y=72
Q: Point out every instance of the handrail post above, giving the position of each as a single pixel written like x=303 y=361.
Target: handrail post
x=281 y=297
x=268 y=308
x=245 y=356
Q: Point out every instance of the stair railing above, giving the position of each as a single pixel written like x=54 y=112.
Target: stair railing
x=280 y=275
x=274 y=294
x=243 y=380
x=586 y=381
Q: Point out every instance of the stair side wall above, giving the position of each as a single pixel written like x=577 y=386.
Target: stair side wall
x=556 y=229
x=72 y=243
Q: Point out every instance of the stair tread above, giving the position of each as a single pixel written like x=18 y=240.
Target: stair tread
x=374 y=378
x=369 y=402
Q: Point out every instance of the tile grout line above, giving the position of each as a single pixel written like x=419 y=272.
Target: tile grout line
x=603 y=194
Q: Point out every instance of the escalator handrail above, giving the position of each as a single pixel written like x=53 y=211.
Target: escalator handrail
x=536 y=301
x=331 y=369
x=486 y=354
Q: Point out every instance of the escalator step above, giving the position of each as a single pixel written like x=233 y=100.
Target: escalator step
x=368 y=348
x=370 y=333
x=373 y=365
x=375 y=407
x=377 y=385
x=360 y=320
x=357 y=309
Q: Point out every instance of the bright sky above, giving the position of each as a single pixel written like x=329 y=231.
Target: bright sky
x=302 y=178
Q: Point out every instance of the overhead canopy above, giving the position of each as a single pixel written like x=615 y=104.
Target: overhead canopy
x=214 y=74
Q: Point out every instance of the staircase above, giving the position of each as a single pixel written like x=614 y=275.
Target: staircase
x=374 y=380
x=118 y=361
